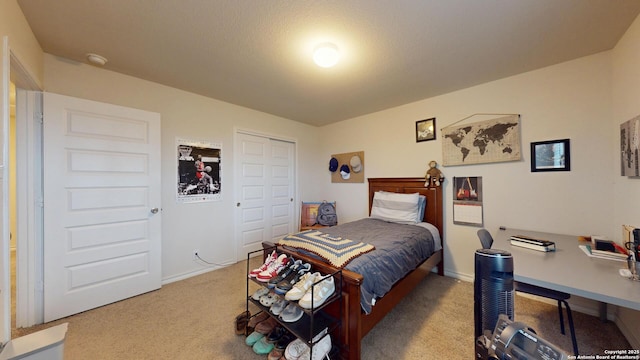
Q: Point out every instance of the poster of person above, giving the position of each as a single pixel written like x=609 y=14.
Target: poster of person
x=199 y=171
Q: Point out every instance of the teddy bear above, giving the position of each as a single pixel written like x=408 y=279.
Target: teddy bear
x=434 y=176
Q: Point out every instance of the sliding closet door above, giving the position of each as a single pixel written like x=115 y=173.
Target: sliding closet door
x=264 y=191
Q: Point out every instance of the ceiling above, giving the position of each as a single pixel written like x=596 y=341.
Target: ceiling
x=257 y=54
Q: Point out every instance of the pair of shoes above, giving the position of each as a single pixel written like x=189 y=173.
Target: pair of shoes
x=318 y=293
x=291 y=313
x=298 y=350
x=242 y=320
x=291 y=267
x=273 y=269
x=253 y=338
x=278 y=306
x=255 y=320
x=262 y=347
x=287 y=283
x=301 y=286
x=276 y=334
x=270 y=259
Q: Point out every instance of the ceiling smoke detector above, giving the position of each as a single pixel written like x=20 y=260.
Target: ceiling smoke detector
x=96 y=59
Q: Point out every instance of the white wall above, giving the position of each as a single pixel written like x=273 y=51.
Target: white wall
x=569 y=100
x=626 y=196
x=204 y=226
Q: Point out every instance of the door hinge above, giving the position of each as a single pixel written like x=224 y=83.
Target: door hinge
x=40 y=117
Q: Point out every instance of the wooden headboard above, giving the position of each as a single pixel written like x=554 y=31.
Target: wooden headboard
x=433 y=212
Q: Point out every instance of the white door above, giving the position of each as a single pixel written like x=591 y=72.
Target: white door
x=265 y=191
x=101 y=204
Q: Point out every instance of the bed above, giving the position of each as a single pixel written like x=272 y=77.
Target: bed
x=355 y=322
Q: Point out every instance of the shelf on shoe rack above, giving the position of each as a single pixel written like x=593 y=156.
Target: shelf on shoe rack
x=301 y=328
x=308 y=311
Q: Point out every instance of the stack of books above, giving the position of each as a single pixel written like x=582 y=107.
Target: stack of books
x=532 y=243
x=605 y=249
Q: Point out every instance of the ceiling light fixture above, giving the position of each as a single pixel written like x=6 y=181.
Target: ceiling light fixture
x=326 y=55
x=96 y=59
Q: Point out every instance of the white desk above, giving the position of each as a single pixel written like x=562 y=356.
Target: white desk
x=570 y=270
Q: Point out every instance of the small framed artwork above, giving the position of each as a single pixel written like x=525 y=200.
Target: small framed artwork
x=426 y=130
x=552 y=155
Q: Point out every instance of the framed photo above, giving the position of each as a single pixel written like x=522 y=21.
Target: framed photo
x=426 y=130
x=553 y=155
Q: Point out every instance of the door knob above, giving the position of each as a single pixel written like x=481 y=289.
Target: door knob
x=154 y=210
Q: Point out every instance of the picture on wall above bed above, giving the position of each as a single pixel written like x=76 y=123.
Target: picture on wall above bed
x=426 y=130
x=629 y=143
x=496 y=139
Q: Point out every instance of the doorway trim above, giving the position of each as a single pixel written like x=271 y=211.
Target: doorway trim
x=28 y=282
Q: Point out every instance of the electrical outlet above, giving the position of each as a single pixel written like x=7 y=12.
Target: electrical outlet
x=195 y=254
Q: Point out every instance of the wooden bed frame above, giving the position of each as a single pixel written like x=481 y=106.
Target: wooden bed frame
x=355 y=324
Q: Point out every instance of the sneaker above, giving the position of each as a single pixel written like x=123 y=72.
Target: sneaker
x=318 y=293
x=273 y=269
x=287 y=284
x=278 y=306
x=270 y=259
x=259 y=293
x=301 y=286
x=296 y=349
x=291 y=313
x=320 y=350
x=291 y=268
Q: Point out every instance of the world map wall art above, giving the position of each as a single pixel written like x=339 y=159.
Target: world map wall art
x=488 y=141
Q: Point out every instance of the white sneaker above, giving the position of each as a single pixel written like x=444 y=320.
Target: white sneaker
x=300 y=288
x=273 y=269
x=270 y=259
x=320 y=350
x=296 y=349
x=318 y=293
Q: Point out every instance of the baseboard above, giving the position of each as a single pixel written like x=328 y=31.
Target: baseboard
x=187 y=275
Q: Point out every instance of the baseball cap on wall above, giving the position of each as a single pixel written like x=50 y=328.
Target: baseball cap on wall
x=333 y=164
x=345 y=172
x=356 y=163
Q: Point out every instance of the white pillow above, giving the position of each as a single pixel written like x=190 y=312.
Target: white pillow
x=394 y=207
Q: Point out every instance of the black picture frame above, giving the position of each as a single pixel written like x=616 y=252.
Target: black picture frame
x=426 y=130
x=552 y=155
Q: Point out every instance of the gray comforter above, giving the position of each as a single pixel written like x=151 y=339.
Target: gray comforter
x=399 y=249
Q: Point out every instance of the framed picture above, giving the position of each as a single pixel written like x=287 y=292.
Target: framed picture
x=426 y=130
x=553 y=155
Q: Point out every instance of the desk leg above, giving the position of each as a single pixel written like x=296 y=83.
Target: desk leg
x=603 y=311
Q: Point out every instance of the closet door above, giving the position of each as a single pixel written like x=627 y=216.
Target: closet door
x=264 y=192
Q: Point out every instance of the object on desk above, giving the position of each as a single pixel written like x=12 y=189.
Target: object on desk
x=609 y=246
x=601 y=254
x=532 y=243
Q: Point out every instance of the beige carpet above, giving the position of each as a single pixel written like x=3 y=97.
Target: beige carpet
x=193 y=319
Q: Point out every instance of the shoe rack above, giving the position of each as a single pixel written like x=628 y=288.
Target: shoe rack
x=315 y=323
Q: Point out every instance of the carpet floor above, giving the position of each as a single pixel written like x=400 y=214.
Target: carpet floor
x=193 y=319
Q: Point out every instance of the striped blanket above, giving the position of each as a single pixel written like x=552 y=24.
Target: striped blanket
x=336 y=250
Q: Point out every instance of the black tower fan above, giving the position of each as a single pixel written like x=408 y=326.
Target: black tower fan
x=492 y=290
